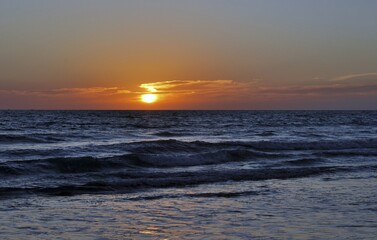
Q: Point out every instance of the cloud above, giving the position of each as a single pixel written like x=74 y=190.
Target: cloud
x=354 y=76
x=322 y=90
x=208 y=87
x=102 y=91
x=196 y=94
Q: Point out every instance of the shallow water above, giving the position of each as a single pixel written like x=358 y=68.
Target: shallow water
x=188 y=174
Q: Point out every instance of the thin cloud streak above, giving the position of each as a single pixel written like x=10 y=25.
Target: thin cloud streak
x=354 y=76
x=108 y=91
x=323 y=90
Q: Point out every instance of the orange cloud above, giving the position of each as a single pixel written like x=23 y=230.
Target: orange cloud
x=212 y=87
x=199 y=94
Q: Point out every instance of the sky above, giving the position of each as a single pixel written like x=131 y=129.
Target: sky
x=189 y=54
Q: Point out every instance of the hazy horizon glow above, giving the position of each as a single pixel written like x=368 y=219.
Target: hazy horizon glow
x=199 y=54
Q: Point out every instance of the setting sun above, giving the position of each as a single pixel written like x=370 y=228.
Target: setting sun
x=148 y=98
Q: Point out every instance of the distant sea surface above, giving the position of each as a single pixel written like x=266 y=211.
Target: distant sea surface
x=188 y=174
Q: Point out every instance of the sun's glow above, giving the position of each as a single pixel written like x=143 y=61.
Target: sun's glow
x=149 y=98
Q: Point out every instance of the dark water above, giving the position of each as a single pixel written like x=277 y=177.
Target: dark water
x=188 y=174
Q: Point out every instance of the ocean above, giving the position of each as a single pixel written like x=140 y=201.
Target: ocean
x=188 y=174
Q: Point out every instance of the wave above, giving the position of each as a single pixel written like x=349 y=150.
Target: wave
x=60 y=165
x=129 y=173
x=203 y=158
x=170 y=145
x=12 y=138
x=304 y=161
x=346 y=152
x=129 y=161
x=180 y=149
x=199 y=195
x=266 y=134
x=174 y=153
x=171 y=163
x=28 y=138
x=312 y=145
x=176 y=145
x=169 y=134
x=136 y=181
x=8 y=170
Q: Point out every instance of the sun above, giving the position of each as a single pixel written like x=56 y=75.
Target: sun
x=148 y=98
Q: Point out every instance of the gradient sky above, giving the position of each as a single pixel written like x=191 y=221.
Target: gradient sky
x=194 y=54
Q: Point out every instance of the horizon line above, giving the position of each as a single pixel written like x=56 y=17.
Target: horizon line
x=32 y=109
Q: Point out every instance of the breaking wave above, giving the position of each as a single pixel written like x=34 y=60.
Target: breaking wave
x=122 y=182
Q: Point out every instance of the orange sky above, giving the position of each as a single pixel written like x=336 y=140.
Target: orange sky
x=196 y=94
x=207 y=54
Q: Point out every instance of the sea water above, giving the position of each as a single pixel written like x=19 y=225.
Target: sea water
x=188 y=174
